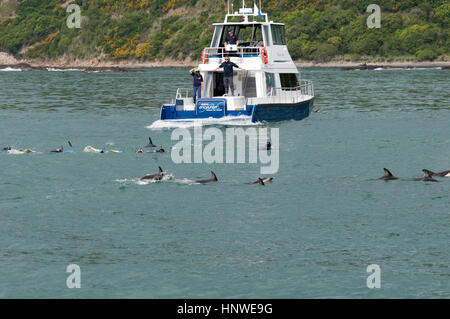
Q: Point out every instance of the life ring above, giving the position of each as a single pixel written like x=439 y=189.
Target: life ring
x=204 y=56
x=264 y=55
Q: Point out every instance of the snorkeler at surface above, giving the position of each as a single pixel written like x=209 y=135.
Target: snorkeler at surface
x=58 y=150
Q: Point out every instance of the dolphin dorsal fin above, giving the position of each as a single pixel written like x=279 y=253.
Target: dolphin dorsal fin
x=387 y=172
x=213 y=176
x=427 y=173
x=260 y=181
x=160 y=170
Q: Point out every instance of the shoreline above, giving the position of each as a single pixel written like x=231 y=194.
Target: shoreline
x=94 y=65
x=405 y=64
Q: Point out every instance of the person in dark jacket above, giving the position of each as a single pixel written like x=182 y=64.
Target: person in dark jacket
x=198 y=83
x=231 y=38
x=228 y=74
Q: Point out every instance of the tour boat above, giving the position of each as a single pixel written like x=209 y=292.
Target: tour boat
x=268 y=89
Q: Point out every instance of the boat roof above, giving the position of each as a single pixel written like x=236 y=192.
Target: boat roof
x=246 y=13
x=248 y=23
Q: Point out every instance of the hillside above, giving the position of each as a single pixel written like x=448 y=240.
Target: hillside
x=153 y=30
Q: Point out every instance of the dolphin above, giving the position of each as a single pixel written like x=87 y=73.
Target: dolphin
x=263 y=180
x=153 y=177
x=150 y=143
x=211 y=180
x=427 y=178
x=69 y=151
x=161 y=150
x=8 y=148
x=259 y=181
x=387 y=176
x=441 y=174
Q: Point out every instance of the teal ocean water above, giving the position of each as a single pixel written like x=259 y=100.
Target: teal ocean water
x=311 y=233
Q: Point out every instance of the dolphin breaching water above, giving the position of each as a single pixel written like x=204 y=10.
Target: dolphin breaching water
x=211 y=180
x=153 y=177
x=441 y=174
x=387 y=176
x=161 y=150
x=259 y=182
x=427 y=178
x=264 y=180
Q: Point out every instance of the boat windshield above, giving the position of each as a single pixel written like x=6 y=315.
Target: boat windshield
x=248 y=35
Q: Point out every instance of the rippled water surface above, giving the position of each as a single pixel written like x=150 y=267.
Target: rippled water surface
x=311 y=233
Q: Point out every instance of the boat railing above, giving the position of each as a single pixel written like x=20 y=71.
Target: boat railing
x=307 y=87
x=183 y=93
x=286 y=94
x=241 y=53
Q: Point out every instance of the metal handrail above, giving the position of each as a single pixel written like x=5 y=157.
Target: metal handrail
x=183 y=93
x=286 y=94
x=241 y=51
x=305 y=88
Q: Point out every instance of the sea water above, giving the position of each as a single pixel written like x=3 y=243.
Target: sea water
x=310 y=233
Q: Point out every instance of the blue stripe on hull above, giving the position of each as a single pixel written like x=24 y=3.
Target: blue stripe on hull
x=282 y=112
x=169 y=112
x=259 y=113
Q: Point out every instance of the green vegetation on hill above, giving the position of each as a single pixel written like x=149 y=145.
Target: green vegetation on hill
x=319 y=30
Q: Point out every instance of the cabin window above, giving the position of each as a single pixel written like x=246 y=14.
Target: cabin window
x=288 y=80
x=249 y=35
x=266 y=34
x=217 y=35
x=270 y=82
x=278 y=36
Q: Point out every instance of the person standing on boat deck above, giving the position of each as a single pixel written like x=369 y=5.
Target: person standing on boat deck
x=228 y=74
x=198 y=83
x=231 y=38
